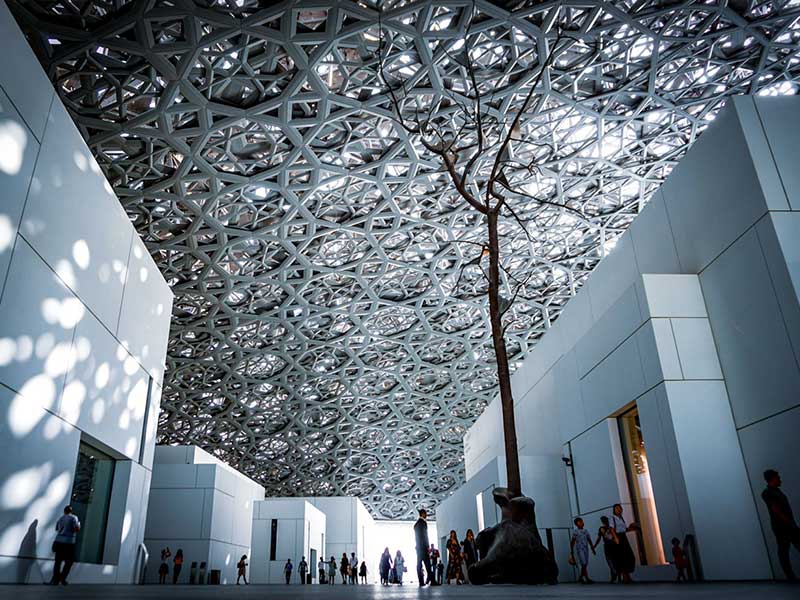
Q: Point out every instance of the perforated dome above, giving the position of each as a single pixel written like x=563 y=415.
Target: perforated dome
x=318 y=343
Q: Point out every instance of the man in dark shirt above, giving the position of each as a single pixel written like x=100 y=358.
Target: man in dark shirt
x=786 y=531
x=422 y=543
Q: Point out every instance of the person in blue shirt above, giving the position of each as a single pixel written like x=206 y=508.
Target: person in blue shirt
x=579 y=546
x=67 y=528
x=287 y=571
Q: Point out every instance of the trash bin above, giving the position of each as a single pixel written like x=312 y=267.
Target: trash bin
x=201 y=575
x=193 y=573
x=214 y=576
x=309 y=579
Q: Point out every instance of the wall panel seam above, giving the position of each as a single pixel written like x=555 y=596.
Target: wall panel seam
x=783 y=263
x=772 y=155
x=24 y=203
x=127 y=278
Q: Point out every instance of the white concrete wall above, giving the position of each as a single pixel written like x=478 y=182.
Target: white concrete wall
x=301 y=529
x=84 y=322
x=201 y=505
x=712 y=356
x=349 y=528
x=349 y=525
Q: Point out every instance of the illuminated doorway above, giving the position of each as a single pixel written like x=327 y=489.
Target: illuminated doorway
x=651 y=550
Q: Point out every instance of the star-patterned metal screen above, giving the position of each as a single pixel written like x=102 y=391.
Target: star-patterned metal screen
x=318 y=343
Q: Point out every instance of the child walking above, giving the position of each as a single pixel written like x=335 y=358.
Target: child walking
x=579 y=547
x=242 y=568
x=681 y=562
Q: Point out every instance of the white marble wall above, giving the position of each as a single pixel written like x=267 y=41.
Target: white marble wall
x=695 y=316
x=201 y=505
x=75 y=282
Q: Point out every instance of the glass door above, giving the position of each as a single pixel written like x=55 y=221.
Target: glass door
x=91 y=495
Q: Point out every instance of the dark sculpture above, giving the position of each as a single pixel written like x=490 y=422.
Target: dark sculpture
x=512 y=551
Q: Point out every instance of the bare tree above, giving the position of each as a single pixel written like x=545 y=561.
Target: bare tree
x=479 y=140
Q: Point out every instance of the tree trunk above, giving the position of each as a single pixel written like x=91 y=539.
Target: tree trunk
x=503 y=375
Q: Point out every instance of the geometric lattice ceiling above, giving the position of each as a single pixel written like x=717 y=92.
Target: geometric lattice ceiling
x=318 y=343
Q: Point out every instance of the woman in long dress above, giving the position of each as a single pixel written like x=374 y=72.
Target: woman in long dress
x=332 y=566
x=177 y=565
x=454 y=556
x=399 y=566
x=470 y=551
x=624 y=559
x=385 y=565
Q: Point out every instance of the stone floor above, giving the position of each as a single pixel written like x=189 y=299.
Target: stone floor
x=707 y=591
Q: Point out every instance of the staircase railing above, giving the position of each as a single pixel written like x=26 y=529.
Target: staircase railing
x=144 y=557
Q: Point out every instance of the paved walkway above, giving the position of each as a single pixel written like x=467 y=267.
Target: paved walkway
x=707 y=591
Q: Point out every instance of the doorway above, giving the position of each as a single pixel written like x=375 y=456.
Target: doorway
x=651 y=550
x=90 y=501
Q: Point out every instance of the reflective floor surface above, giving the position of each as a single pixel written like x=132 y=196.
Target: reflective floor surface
x=708 y=591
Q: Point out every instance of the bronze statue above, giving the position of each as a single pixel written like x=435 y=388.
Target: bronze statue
x=512 y=551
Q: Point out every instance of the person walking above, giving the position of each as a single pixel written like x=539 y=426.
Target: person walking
x=177 y=565
x=439 y=574
x=610 y=542
x=241 y=569
x=423 y=549
x=579 y=545
x=435 y=555
x=321 y=569
x=344 y=569
x=163 y=568
x=362 y=572
x=781 y=519
x=302 y=569
x=680 y=560
x=384 y=566
x=67 y=528
x=625 y=561
x=453 y=558
x=470 y=551
x=399 y=566
x=287 y=570
x=332 y=571
x=353 y=569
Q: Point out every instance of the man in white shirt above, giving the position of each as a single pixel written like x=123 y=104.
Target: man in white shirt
x=67 y=528
x=353 y=568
